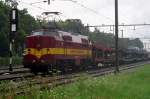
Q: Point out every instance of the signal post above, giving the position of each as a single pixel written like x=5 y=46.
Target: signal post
x=13 y=30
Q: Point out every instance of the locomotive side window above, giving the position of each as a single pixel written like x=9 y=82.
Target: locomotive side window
x=107 y=54
x=38 y=33
x=67 y=38
x=46 y=32
x=99 y=53
x=84 y=41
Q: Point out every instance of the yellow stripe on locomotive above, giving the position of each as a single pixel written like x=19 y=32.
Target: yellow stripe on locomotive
x=58 y=51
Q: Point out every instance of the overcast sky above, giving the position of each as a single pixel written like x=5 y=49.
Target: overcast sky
x=98 y=12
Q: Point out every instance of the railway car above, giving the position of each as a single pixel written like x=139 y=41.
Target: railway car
x=102 y=55
x=132 y=55
x=126 y=56
x=51 y=49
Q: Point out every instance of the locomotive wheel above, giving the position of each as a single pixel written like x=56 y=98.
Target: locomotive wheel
x=75 y=68
x=34 y=70
x=44 y=69
x=60 y=66
x=63 y=69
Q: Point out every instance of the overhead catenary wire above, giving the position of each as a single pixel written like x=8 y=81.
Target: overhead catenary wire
x=82 y=5
x=32 y=5
x=44 y=1
x=92 y=10
x=43 y=9
x=40 y=8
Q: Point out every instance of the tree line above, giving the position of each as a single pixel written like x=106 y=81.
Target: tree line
x=28 y=23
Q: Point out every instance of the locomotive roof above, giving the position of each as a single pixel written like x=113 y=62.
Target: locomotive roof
x=75 y=38
x=58 y=35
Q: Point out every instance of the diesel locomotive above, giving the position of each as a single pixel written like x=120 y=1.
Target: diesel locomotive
x=51 y=49
x=55 y=50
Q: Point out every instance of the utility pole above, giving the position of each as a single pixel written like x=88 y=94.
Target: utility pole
x=122 y=34
x=48 y=2
x=120 y=25
x=13 y=29
x=111 y=29
x=116 y=37
x=145 y=45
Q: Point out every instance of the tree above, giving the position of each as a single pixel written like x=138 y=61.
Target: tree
x=136 y=43
x=27 y=23
x=73 y=25
x=102 y=38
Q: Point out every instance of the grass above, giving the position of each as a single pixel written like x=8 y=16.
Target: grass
x=127 y=85
x=4 y=61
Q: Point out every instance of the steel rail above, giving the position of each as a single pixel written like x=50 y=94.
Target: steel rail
x=23 y=73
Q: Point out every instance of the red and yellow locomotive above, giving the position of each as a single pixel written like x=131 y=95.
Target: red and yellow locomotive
x=52 y=49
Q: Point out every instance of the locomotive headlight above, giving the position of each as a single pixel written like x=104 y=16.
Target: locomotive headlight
x=33 y=61
x=42 y=61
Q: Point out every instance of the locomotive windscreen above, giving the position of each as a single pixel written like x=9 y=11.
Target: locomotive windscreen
x=38 y=33
x=46 y=32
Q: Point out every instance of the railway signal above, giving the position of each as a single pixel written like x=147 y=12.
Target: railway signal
x=13 y=22
x=13 y=29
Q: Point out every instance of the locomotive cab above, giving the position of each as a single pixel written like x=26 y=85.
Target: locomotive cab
x=51 y=49
x=37 y=48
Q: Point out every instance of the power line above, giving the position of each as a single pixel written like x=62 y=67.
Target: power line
x=40 y=8
x=33 y=5
x=92 y=10
x=123 y=25
x=39 y=2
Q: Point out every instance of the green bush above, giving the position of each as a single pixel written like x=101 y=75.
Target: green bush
x=4 y=61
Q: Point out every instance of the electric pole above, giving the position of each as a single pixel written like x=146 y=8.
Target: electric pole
x=48 y=2
x=116 y=37
x=145 y=45
x=122 y=34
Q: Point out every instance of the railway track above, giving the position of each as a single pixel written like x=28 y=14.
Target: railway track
x=7 y=68
x=20 y=72
x=50 y=82
x=121 y=68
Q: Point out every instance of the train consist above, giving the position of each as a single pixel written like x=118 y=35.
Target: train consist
x=133 y=54
x=51 y=50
